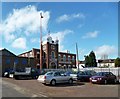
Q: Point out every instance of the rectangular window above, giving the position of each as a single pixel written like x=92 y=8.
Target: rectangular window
x=8 y=61
x=24 y=61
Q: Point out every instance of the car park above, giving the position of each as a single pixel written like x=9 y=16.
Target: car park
x=54 y=77
x=104 y=78
x=85 y=75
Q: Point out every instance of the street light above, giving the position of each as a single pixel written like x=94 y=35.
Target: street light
x=41 y=56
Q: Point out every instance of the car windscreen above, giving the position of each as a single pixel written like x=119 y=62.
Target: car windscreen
x=99 y=74
x=90 y=72
x=102 y=73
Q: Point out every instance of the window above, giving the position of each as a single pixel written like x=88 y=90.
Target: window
x=81 y=73
x=73 y=58
x=59 y=57
x=53 y=54
x=8 y=61
x=64 y=58
x=16 y=61
x=49 y=73
x=24 y=61
x=57 y=74
x=68 y=58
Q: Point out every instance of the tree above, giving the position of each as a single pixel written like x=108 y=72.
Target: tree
x=92 y=59
x=117 y=62
x=87 y=63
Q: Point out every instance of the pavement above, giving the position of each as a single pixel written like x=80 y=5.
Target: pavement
x=33 y=88
x=12 y=90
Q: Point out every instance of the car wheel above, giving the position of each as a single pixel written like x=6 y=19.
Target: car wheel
x=105 y=82
x=53 y=82
x=70 y=81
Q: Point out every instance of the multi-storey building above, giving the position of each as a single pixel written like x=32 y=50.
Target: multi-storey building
x=50 y=56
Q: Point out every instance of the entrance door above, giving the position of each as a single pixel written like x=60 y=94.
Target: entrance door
x=53 y=65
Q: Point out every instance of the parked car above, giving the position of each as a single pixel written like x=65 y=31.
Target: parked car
x=104 y=78
x=85 y=75
x=26 y=73
x=54 y=77
x=72 y=74
x=8 y=72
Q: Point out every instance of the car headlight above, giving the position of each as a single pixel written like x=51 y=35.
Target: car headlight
x=5 y=73
x=90 y=78
x=99 y=78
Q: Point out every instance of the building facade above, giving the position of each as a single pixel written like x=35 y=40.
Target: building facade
x=106 y=63
x=50 y=56
x=8 y=60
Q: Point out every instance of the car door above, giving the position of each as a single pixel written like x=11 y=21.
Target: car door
x=81 y=76
x=109 y=77
x=112 y=77
x=57 y=77
x=65 y=78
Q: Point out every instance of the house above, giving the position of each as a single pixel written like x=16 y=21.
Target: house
x=8 y=60
x=106 y=63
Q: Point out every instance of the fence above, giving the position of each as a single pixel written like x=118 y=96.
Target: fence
x=115 y=71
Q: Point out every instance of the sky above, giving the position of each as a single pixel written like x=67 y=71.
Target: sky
x=92 y=25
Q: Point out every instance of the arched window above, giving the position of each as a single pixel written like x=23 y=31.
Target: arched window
x=73 y=58
x=68 y=58
x=59 y=57
x=64 y=58
x=53 y=54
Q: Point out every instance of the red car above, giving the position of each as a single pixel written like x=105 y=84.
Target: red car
x=103 y=78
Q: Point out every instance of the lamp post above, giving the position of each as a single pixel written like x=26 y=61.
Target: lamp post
x=77 y=56
x=41 y=48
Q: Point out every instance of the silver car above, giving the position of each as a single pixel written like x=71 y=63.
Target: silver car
x=54 y=77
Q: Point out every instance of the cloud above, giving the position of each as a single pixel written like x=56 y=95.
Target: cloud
x=60 y=36
x=34 y=40
x=26 y=20
x=1 y=48
x=66 y=17
x=19 y=43
x=106 y=50
x=90 y=35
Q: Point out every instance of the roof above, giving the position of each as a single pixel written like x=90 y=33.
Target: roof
x=6 y=52
x=66 y=53
x=106 y=61
x=29 y=51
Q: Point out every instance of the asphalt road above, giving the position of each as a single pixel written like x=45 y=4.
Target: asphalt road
x=79 y=89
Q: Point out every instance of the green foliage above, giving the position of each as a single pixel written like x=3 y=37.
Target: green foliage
x=90 y=61
x=87 y=62
x=117 y=62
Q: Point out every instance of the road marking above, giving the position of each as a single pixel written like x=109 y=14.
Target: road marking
x=21 y=90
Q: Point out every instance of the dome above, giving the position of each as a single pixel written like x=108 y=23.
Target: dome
x=49 y=39
x=56 y=41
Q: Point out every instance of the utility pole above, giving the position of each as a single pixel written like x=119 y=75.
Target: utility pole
x=77 y=56
x=41 y=47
